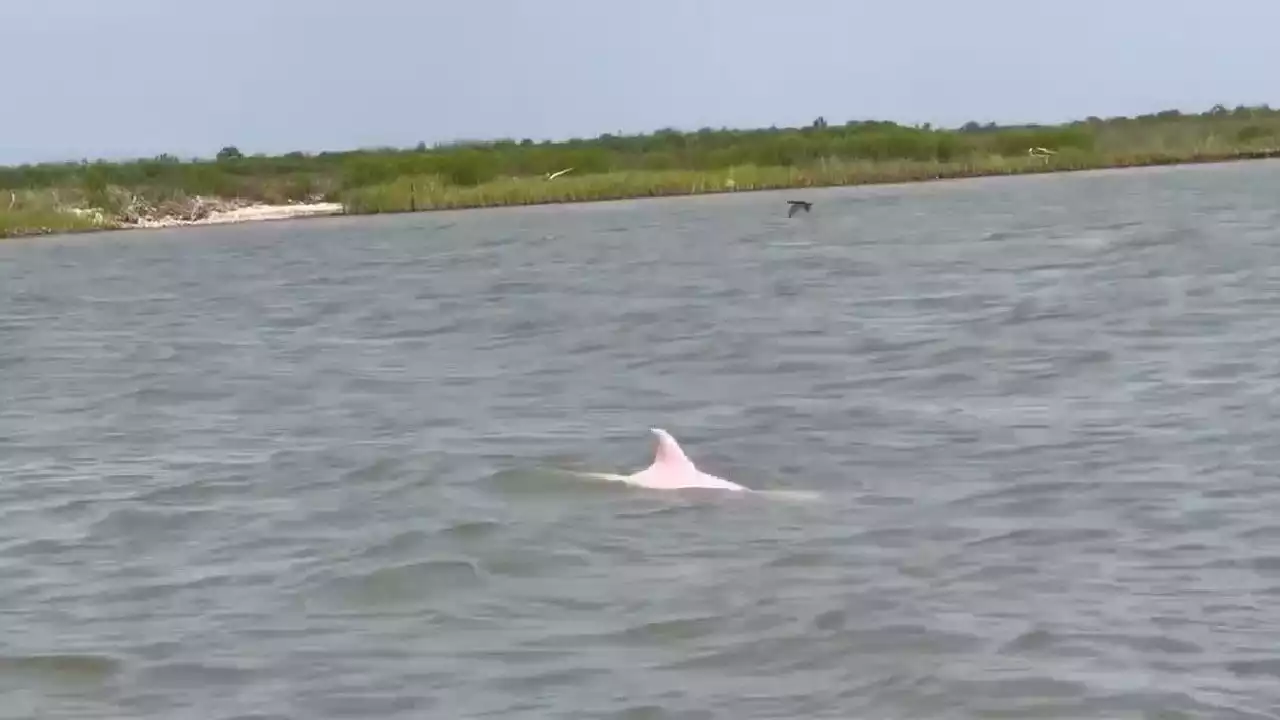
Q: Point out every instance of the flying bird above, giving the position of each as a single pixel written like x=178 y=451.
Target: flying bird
x=796 y=205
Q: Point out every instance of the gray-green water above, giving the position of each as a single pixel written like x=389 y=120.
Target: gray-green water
x=311 y=470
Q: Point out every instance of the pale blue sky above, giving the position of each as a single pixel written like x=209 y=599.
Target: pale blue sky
x=111 y=78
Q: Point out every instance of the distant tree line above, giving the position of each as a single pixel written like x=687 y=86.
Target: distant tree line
x=303 y=176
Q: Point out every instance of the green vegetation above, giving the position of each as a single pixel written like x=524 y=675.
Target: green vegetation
x=667 y=162
x=25 y=212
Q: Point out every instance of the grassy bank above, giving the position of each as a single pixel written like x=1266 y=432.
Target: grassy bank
x=63 y=196
x=44 y=212
x=435 y=193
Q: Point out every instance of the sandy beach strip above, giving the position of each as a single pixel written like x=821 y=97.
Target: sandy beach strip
x=251 y=213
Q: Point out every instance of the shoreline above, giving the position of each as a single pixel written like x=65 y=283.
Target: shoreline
x=258 y=212
x=233 y=212
x=230 y=213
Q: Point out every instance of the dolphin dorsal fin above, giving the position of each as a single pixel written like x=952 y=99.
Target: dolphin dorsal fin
x=668 y=451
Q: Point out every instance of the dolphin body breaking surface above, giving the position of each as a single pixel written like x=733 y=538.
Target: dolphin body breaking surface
x=671 y=469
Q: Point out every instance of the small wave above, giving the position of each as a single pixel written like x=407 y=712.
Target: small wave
x=408 y=583
x=148 y=524
x=1083 y=644
x=379 y=469
x=397 y=545
x=201 y=674
x=471 y=529
x=674 y=631
x=1263 y=667
x=1041 y=537
x=802 y=559
x=196 y=492
x=549 y=680
x=60 y=668
x=523 y=563
x=670 y=630
x=1030 y=491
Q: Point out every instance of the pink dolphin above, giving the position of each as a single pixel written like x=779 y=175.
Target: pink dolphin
x=671 y=469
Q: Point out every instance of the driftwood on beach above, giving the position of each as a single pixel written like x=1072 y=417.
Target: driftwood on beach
x=48 y=212
x=214 y=211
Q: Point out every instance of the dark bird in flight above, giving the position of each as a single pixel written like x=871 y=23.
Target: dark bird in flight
x=796 y=205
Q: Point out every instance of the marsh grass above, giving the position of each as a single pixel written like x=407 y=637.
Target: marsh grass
x=46 y=212
x=435 y=193
x=611 y=167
